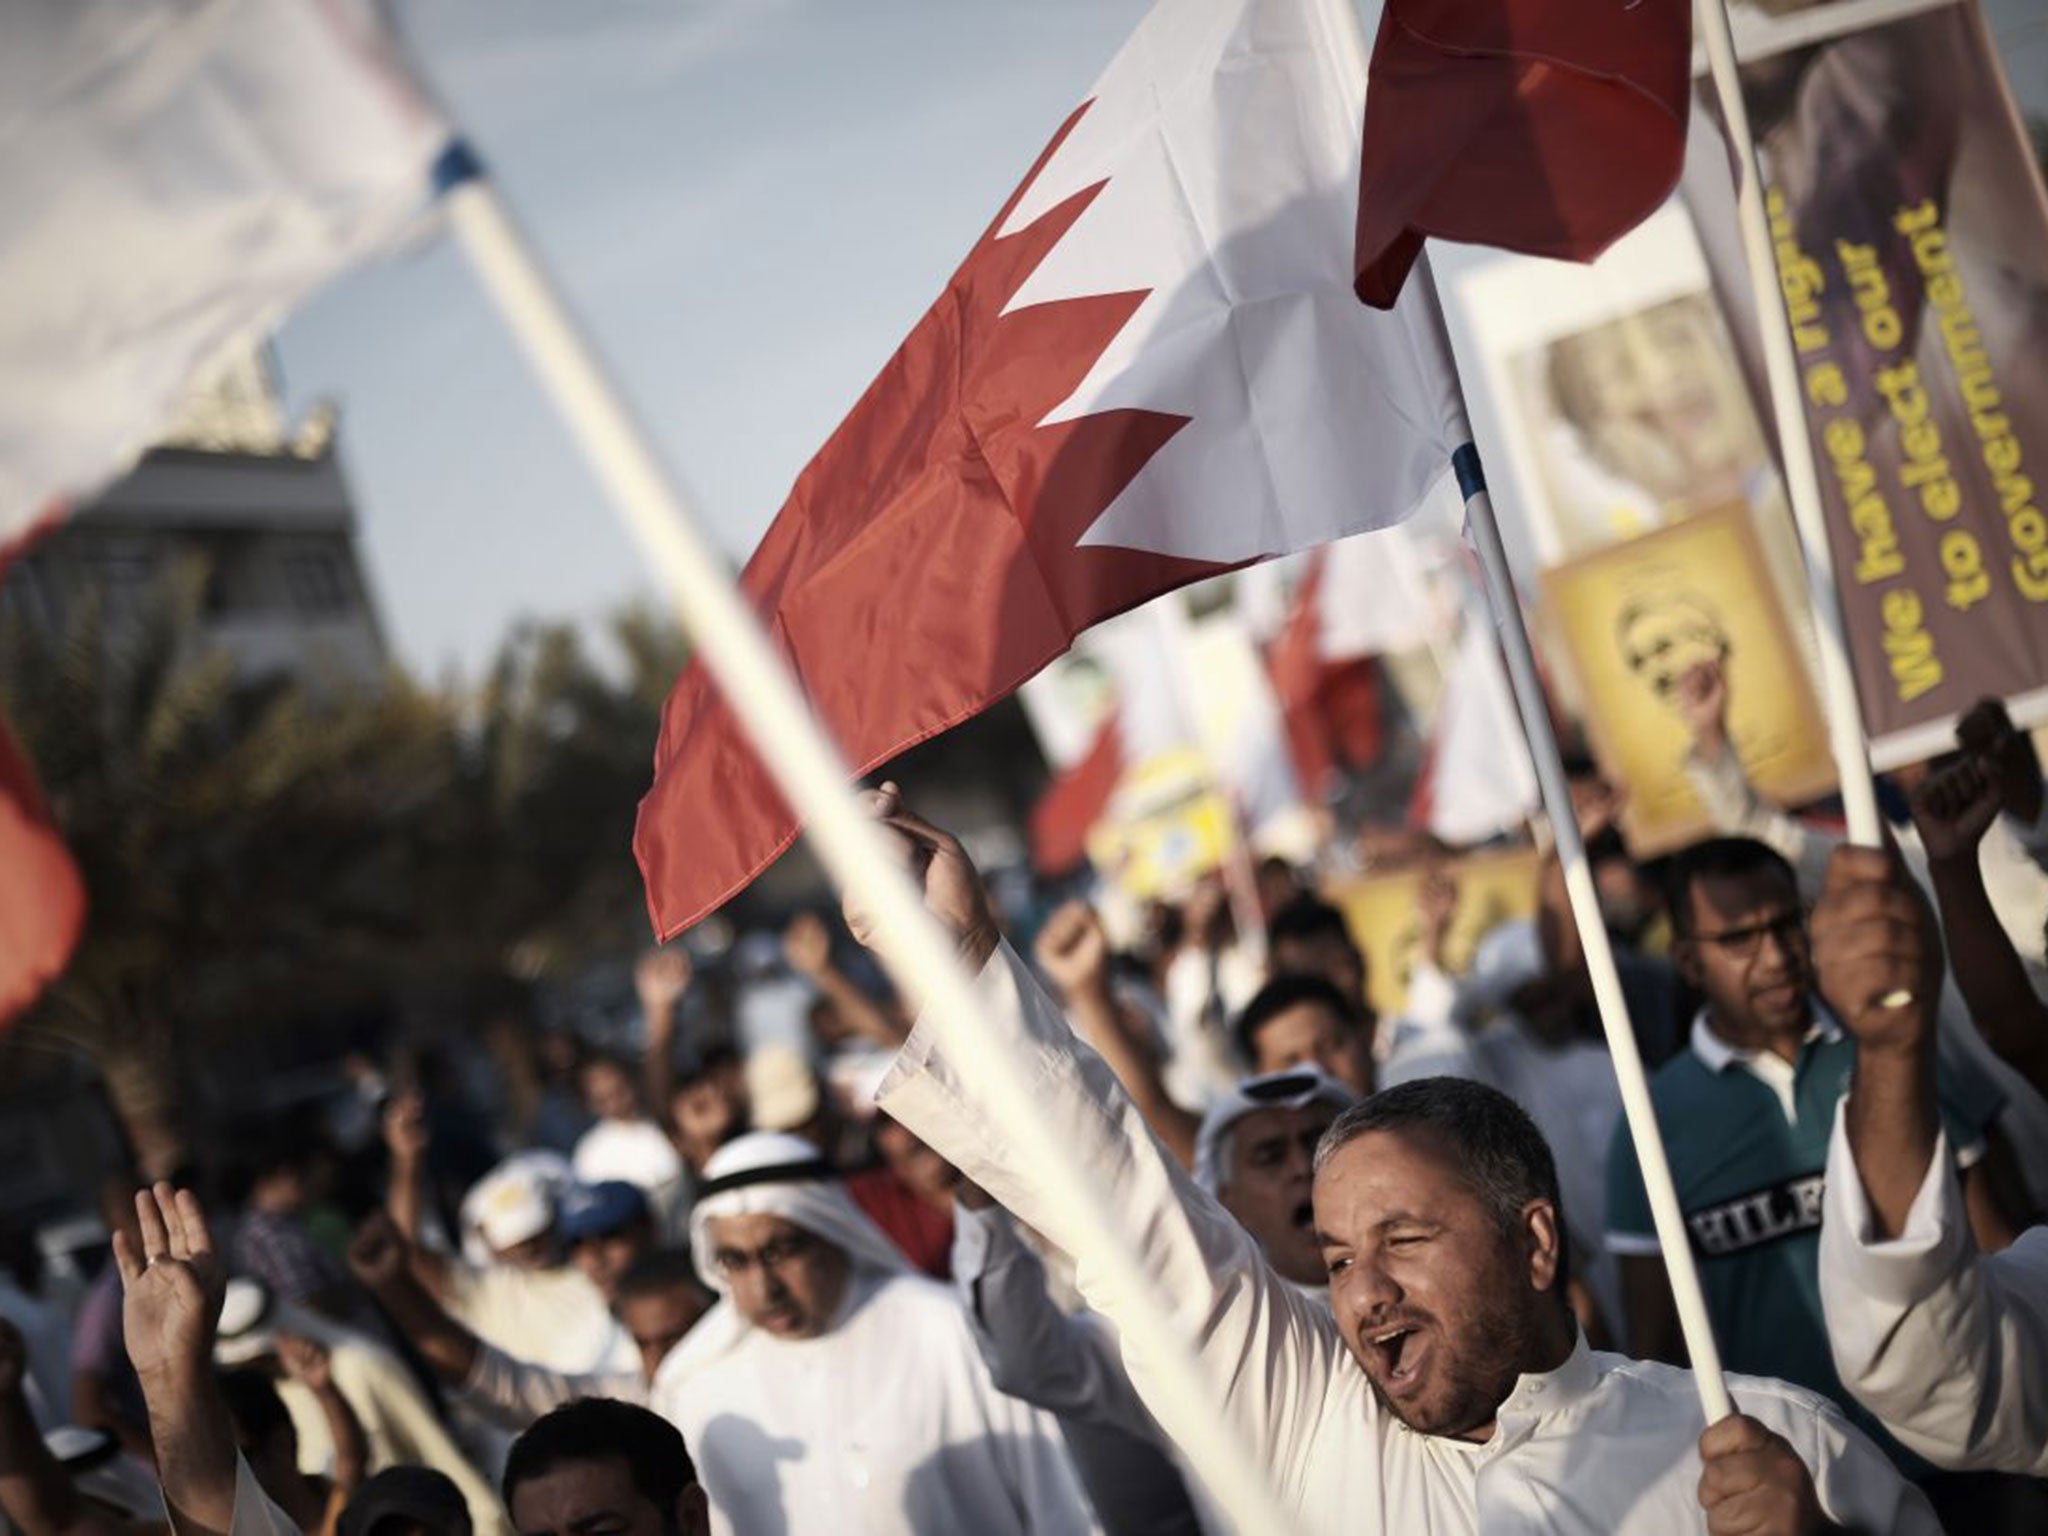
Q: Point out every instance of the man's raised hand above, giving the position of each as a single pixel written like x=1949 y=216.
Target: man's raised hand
x=1073 y=951
x=378 y=1252
x=1954 y=809
x=661 y=977
x=171 y=1289
x=1876 y=950
x=807 y=945
x=1703 y=704
x=939 y=867
x=405 y=1129
x=1753 y=1484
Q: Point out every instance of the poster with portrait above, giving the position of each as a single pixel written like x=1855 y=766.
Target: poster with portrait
x=1634 y=617
x=1493 y=888
x=1621 y=400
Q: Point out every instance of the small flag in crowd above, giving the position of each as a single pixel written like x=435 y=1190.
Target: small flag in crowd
x=1551 y=127
x=1151 y=368
x=42 y=902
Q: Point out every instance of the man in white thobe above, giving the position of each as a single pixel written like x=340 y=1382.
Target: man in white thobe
x=1948 y=1348
x=1444 y=1388
x=833 y=1389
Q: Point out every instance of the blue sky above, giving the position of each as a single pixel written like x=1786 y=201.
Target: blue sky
x=749 y=202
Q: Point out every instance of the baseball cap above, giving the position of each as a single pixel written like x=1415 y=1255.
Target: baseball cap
x=1292 y=1088
x=514 y=1209
x=594 y=1210
x=417 y=1495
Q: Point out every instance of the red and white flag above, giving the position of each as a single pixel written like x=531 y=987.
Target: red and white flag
x=178 y=173
x=1149 y=369
x=1551 y=127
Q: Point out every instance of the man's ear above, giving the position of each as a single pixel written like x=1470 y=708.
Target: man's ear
x=693 y=1511
x=1685 y=959
x=1544 y=1235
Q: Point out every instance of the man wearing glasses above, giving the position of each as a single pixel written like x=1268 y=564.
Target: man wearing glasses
x=1746 y=1110
x=834 y=1389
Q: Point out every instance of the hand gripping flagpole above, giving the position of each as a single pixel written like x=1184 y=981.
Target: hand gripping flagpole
x=1795 y=444
x=807 y=768
x=1665 y=1213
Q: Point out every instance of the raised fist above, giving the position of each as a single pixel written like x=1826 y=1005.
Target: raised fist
x=1876 y=951
x=939 y=867
x=1072 y=949
x=1703 y=702
x=1954 y=809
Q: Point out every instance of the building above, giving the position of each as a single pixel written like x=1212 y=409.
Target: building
x=267 y=511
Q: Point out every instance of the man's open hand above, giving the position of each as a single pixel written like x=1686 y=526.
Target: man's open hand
x=1752 y=1484
x=939 y=867
x=171 y=1289
x=1073 y=951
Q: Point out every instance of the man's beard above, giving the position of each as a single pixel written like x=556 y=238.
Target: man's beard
x=1478 y=1371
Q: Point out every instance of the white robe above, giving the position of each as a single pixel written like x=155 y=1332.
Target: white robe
x=1601 y=1444
x=1948 y=1348
x=887 y=1424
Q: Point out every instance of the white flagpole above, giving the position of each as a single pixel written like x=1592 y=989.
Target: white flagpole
x=808 y=769
x=1527 y=683
x=1839 y=700
x=1665 y=1213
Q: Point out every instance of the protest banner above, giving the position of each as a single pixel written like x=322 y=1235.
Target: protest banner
x=1493 y=888
x=1911 y=235
x=1634 y=616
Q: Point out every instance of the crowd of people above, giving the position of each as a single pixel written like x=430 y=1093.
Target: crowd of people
x=779 y=1270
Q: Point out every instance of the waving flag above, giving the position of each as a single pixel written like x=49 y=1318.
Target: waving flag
x=1149 y=369
x=178 y=174
x=1551 y=127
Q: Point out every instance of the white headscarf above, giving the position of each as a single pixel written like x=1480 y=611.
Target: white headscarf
x=769 y=1173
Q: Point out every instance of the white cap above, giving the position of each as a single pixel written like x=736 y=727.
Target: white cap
x=514 y=1208
x=1291 y=1088
x=246 y=1331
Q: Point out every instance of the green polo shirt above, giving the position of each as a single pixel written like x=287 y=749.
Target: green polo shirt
x=1747 y=1138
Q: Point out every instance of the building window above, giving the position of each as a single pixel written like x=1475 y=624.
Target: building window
x=316 y=581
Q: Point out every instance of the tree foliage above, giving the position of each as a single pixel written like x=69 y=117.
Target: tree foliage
x=258 y=855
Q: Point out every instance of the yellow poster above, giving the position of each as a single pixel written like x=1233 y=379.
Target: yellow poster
x=1381 y=910
x=1634 y=617
x=1167 y=826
